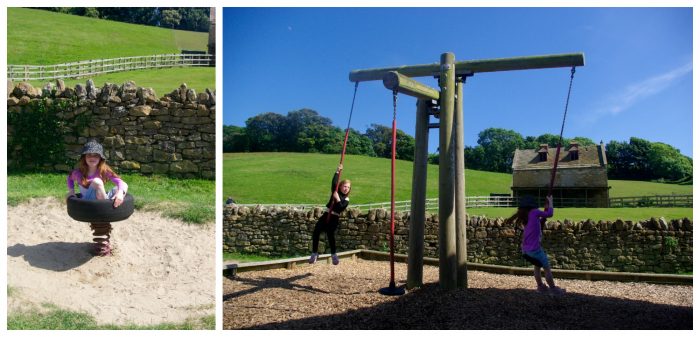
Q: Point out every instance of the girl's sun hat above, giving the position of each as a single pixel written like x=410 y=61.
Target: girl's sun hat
x=527 y=202
x=92 y=146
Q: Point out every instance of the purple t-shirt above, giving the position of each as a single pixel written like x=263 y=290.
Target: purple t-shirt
x=532 y=232
x=76 y=177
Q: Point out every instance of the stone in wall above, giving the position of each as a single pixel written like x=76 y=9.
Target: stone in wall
x=641 y=246
x=172 y=135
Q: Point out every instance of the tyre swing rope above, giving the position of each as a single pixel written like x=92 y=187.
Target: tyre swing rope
x=342 y=155
x=561 y=134
x=392 y=290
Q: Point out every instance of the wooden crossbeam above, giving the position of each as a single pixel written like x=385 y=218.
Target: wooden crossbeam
x=408 y=86
x=475 y=66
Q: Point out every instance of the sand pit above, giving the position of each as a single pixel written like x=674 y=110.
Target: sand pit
x=322 y=296
x=162 y=269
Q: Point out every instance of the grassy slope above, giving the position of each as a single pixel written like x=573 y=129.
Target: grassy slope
x=67 y=38
x=191 y=200
x=43 y=37
x=303 y=178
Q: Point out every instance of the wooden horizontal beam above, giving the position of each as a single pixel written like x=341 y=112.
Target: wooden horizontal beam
x=408 y=86
x=476 y=66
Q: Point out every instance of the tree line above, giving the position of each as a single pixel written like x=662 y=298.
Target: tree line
x=183 y=18
x=306 y=130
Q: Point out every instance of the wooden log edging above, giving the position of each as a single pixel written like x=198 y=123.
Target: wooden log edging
x=230 y=269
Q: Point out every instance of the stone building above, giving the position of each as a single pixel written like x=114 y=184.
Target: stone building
x=581 y=179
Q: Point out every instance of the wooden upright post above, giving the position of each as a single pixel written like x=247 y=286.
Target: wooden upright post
x=460 y=212
x=452 y=236
x=416 y=234
x=446 y=232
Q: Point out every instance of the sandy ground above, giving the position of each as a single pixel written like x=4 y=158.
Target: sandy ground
x=162 y=269
x=323 y=296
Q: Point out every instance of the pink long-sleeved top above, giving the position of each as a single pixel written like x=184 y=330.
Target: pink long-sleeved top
x=532 y=232
x=75 y=177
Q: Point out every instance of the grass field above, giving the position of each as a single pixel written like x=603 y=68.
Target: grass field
x=39 y=37
x=304 y=178
x=163 y=81
x=191 y=200
x=53 y=318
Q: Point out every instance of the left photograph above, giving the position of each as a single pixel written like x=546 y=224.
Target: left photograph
x=111 y=152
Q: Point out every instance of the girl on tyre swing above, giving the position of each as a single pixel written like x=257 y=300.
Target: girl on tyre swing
x=91 y=175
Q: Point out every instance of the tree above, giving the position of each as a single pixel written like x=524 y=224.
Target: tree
x=583 y=141
x=474 y=157
x=553 y=140
x=629 y=160
x=235 y=139
x=193 y=19
x=170 y=18
x=359 y=144
x=264 y=131
x=320 y=138
x=380 y=136
x=499 y=147
x=298 y=121
x=668 y=163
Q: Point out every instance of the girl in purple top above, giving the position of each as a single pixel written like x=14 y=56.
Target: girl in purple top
x=529 y=215
x=91 y=175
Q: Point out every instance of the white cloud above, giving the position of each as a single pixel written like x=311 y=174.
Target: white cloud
x=633 y=93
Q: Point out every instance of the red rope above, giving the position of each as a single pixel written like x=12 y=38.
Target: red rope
x=393 y=185
x=393 y=203
x=342 y=155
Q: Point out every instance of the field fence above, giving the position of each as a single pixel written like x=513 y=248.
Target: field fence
x=89 y=68
x=510 y=202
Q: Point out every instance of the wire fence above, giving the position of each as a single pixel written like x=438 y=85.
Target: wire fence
x=88 y=68
x=503 y=201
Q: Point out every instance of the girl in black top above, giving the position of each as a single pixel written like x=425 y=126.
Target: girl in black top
x=339 y=201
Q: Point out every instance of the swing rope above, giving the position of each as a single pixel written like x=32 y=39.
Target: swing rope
x=561 y=134
x=342 y=155
x=392 y=290
x=393 y=185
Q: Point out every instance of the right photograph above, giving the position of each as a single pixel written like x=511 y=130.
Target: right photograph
x=458 y=168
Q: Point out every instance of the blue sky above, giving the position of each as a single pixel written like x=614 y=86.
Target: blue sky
x=637 y=81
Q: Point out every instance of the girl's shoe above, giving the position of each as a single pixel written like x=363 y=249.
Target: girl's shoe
x=542 y=289
x=313 y=258
x=102 y=249
x=335 y=259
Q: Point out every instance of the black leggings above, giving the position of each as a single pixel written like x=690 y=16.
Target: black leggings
x=329 y=228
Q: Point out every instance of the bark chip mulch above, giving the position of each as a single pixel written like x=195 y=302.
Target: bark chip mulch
x=323 y=296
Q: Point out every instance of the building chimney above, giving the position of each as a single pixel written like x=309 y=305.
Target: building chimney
x=573 y=150
x=543 y=151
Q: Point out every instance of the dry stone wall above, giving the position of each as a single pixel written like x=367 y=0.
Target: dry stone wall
x=173 y=135
x=655 y=245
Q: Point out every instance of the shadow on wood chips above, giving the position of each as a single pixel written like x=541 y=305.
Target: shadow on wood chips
x=477 y=309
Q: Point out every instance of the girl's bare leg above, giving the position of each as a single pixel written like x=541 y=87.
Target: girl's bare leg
x=99 y=187
x=538 y=277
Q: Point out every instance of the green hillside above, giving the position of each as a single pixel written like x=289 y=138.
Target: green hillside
x=41 y=37
x=304 y=178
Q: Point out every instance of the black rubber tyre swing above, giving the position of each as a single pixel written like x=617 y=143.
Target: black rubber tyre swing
x=99 y=211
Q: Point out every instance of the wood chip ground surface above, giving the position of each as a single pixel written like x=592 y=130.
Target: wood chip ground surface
x=323 y=296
